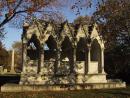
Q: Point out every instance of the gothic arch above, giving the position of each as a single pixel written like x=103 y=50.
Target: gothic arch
x=31 y=31
x=67 y=54
x=66 y=47
x=51 y=45
x=81 y=49
x=96 y=53
x=95 y=50
x=33 y=48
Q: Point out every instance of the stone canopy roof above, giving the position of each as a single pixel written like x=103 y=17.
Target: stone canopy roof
x=44 y=29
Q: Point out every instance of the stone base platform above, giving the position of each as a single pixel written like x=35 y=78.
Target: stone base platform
x=24 y=88
x=40 y=79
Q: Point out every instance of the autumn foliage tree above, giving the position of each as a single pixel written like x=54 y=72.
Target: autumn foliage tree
x=3 y=56
x=15 y=9
x=12 y=9
x=113 y=18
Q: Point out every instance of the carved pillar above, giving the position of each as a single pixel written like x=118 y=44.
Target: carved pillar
x=74 y=57
x=58 y=56
x=89 y=57
x=42 y=59
x=58 y=52
x=74 y=67
x=24 y=46
x=102 y=60
x=24 y=57
x=86 y=60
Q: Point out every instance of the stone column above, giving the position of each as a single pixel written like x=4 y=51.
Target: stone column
x=24 y=53
x=89 y=57
x=102 y=60
x=58 y=59
x=73 y=73
x=74 y=58
x=24 y=46
x=86 y=60
x=12 y=62
x=41 y=59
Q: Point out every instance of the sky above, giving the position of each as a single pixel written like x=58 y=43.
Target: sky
x=14 y=34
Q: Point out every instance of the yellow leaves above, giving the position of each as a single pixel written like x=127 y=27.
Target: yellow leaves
x=1 y=5
x=37 y=1
x=35 y=5
x=11 y=1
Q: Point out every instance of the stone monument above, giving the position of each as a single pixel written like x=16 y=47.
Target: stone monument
x=62 y=54
x=12 y=71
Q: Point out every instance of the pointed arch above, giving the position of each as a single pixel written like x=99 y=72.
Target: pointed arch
x=33 y=47
x=66 y=47
x=81 y=49
x=67 y=54
x=96 y=53
x=66 y=44
x=34 y=40
x=51 y=44
x=31 y=31
x=95 y=50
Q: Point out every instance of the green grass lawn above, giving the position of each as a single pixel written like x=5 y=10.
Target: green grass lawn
x=104 y=93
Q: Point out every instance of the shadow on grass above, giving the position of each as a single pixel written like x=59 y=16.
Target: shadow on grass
x=103 y=93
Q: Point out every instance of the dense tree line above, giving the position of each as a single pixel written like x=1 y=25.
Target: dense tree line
x=3 y=56
x=113 y=17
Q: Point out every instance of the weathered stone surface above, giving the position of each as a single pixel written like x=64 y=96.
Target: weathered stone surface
x=25 y=88
x=1 y=69
x=63 y=54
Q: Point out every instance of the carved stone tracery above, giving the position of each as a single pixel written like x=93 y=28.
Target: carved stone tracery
x=68 y=50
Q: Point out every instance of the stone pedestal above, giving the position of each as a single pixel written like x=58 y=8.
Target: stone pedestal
x=95 y=78
x=93 y=68
x=91 y=78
